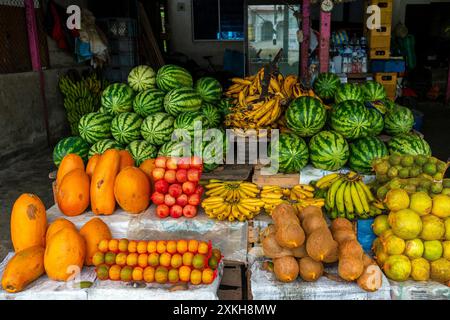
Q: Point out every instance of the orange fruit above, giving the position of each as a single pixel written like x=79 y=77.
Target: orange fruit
x=187 y=259
x=193 y=246
x=98 y=258
x=207 y=276
x=173 y=276
x=161 y=275
x=132 y=259
x=123 y=245
x=182 y=246
x=196 y=277
x=161 y=247
x=143 y=260
x=132 y=246
x=103 y=246
x=151 y=247
x=165 y=259
x=149 y=274
x=138 y=274
x=172 y=247
x=203 y=247
x=103 y=272
x=199 y=261
x=121 y=259
x=110 y=258
x=153 y=259
x=217 y=254
x=113 y=245
x=177 y=261
x=142 y=247
x=185 y=273
x=126 y=274
x=114 y=273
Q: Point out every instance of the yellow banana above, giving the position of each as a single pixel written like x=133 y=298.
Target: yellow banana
x=356 y=200
x=326 y=181
x=367 y=191
x=362 y=197
x=348 y=199
x=241 y=81
x=340 y=197
x=331 y=196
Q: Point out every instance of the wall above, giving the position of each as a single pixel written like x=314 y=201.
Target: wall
x=399 y=10
x=181 y=37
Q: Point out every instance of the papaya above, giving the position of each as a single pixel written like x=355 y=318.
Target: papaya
x=74 y=193
x=25 y=267
x=132 y=190
x=93 y=232
x=56 y=226
x=126 y=159
x=103 y=201
x=64 y=254
x=28 y=222
x=147 y=167
x=70 y=162
x=92 y=163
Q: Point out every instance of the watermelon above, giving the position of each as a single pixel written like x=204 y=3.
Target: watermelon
x=182 y=100
x=349 y=91
x=149 y=102
x=376 y=122
x=209 y=89
x=306 y=116
x=101 y=146
x=117 y=98
x=328 y=151
x=141 y=150
x=293 y=154
x=94 y=127
x=409 y=144
x=399 y=120
x=364 y=151
x=175 y=149
x=389 y=104
x=142 y=78
x=373 y=91
x=188 y=121
x=70 y=145
x=171 y=77
x=326 y=85
x=212 y=159
x=157 y=128
x=351 y=119
x=126 y=127
x=213 y=116
x=225 y=105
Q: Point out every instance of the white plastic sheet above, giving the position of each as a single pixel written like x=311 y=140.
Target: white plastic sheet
x=309 y=174
x=423 y=290
x=264 y=286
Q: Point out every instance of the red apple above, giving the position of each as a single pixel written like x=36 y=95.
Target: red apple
x=199 y=190
x=176 y=212
x=158 y=174
x=158 y=198
x=189 y=187
x=193 y=175
x=194 y=200
x=171 y=176
x=184 y=163
x=160 y=162
x=169 y=200
x=196 y=163
x=182 y=175
x=172 y=163
x=182 y=200
x=162 y=186
x=162 y=211
x=175 y=190
x=189 y=211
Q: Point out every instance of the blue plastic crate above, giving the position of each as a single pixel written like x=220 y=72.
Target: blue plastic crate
x=392 y=65
x=366 y=237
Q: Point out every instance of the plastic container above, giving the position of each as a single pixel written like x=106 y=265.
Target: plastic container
x=392 y=65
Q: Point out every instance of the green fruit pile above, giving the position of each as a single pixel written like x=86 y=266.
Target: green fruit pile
x=414 y=239
x=412 y=185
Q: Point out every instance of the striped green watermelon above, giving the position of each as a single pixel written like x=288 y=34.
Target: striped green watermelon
x=351 y=119
x=373 y=91
x=70 y=145
x=189 y=120
x=142 y=78
x=376 y=122
x=171 y=77
x=103 y=145
x=306 y=116
x=326 y=85
x=213 y=116
x=328 y=151
x=175 y=149
x=209 y=89
x=182 y=100
x=117 y=98
x=225 y=105
x=213 y=154
x=141 y=150
x=389 y=104
x=157 y=128
x=409 y=144
x=292 y=153
x=94 y=127
x=149 y=102
x=126 y=127
x=349 y=91
x=364 y=151
x=399 y=120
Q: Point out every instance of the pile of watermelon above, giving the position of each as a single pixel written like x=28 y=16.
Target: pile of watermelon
x=142 y=115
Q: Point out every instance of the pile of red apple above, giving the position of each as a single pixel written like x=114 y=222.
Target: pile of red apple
x=177 y=191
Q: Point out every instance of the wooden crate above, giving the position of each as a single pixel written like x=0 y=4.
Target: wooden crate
x=380 y=53
x=380 y=38
x=389 y=81
x=285 y=180
x=235 y=172
x=234 y=284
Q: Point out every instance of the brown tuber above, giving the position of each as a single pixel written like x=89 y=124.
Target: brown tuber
x=286 y=269
x=310 y=270
x=320 y=244
x=341 y=224
x=272 y=249
x=342 y=235
x=284 y=214
x=372 y=278
x=300 y=252
x=312 y=223
x=290 y=236
x=310 y=211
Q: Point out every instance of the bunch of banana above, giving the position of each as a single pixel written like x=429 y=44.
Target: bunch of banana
x=231 y=190
x=302 y=204
x=241 y=210
x=298 y=91
x=272 y=196
x=302 y=192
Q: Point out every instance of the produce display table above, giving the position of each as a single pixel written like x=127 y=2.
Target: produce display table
x=264 y=286
x=424 y=290
x=46 y=289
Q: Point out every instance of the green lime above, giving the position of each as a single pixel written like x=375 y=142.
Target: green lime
x=395 y=160
x=437 y=188
x=421 y=160
x=430 y=169
x=393 y=172
x=407 y=161
x=415 y=171
x=403 y=173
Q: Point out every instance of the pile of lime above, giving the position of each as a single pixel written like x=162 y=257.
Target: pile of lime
x=413 y=185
